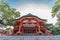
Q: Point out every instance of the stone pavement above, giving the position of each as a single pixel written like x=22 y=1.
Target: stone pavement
x=30 y=38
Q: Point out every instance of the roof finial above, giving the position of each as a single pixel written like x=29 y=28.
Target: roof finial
x=29 y=14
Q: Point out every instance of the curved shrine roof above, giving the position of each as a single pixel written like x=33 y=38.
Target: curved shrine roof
x=30 y=15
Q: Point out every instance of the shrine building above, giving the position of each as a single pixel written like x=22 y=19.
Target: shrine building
x=30 y=24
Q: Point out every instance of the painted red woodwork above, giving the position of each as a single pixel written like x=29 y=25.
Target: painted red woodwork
x=30 y=24
x=1 y=31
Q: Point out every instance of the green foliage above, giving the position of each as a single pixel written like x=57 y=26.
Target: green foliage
x=56 y=30
x=2 y=23
x=56 y=7
x=8 y=13
x=8 y=29
x=11 y=22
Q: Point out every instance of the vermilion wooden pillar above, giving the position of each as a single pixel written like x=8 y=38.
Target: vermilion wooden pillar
x=0 y=33
x=18 y=30
x=38 y=28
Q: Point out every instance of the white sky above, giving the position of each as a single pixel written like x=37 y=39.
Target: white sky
x=40 y=10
